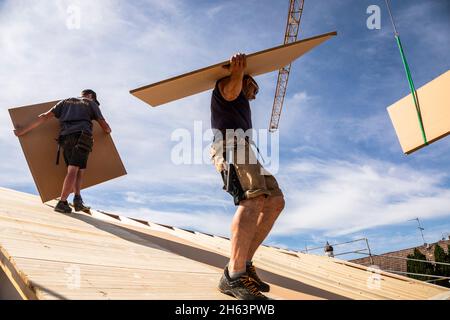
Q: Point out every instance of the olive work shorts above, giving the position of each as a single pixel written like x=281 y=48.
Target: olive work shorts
x=254 y=179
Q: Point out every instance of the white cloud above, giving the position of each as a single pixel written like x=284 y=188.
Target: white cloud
x=119 y=46
x=184 y=199
x=325 y=199
x=305 y=124
x=215 y=10
x=343 y=197
x=213 y=222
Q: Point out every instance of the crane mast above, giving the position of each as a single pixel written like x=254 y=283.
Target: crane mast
x=292 y=27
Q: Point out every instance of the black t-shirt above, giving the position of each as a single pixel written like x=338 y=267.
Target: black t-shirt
x=234 y=114
x=76 y=115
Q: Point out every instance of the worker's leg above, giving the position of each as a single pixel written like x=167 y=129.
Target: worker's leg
x=69 y=182
x=78 y=182
x=266 y=219
x=243 y=229
x=77 y=200
x=256 y=180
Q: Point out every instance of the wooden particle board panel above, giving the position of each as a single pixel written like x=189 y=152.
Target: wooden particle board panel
x=204 y=79
x=39 y=147
x=434 y=100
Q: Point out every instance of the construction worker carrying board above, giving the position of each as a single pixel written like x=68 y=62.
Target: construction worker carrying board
x=255 y=191
x=75 y=117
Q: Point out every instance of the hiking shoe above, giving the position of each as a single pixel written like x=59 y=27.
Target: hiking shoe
x=63 y=207
x=79 y=205
x=262 y=286
x=242 y=288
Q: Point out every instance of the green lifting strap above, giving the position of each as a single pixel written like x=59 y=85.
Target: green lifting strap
x=409 y=77
x=412 y=88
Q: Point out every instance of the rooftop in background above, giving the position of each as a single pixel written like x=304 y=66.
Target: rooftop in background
x=396 y=261
x=47 y=255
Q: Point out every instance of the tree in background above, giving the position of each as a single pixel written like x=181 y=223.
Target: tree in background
x=428 y=268
x=419 y=267
x=441 y=256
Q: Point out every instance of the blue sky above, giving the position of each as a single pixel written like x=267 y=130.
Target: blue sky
x=341 y=166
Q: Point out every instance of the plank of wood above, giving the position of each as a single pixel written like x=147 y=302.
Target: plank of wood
x=434 y=100
x=121 y=261
x=39 y=148
x=406 y=286
x=267 y=255
x=17 y=278
x=151 y=285
x=318 y=265
x=286 y=269
x=389 y=288
x=151 y=260
x=98 y=282
x=209 y=242
x=392 y=289
x=204 y=79
x=400 y=280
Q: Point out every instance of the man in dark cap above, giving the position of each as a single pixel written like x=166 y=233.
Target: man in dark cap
x=75 y=117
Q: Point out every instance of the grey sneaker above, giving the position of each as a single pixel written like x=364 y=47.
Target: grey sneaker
x=63 y=207
x=243 y=288
x=79 y=205
x=262 y=286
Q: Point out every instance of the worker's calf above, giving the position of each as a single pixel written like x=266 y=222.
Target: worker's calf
x=243 y=229
x=69 y=182
x=266 y=219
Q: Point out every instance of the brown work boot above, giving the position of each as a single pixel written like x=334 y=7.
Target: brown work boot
x=251 y=271
x=242 y=288
x=63 y=207
x=79 y=205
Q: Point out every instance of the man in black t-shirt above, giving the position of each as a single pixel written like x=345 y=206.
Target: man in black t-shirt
x=255 y=191
x=75 y=117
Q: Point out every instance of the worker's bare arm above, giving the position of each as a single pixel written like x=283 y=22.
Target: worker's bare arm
x=104 y=125
x=231 y=87
x=42 y=118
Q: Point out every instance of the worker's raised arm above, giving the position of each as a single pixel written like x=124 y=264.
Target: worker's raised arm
x=98 y=116
x=104 y=125
x=231 y=87
x=19 y=131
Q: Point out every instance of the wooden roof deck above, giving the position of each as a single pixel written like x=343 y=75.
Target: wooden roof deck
x=48 y=255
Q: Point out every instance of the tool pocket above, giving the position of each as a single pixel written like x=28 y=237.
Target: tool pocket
x=232 y=185
x=85 y=142
x=60 y=144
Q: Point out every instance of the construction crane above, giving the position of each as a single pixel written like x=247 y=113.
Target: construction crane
x=292 y=26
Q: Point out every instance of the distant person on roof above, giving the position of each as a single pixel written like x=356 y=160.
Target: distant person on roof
x=75 y=117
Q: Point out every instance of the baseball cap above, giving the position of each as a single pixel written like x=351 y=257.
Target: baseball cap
x=92 y=92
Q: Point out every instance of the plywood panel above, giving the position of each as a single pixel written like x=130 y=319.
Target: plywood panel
x=434 y=99
x=39 y=147
x=204 y=79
